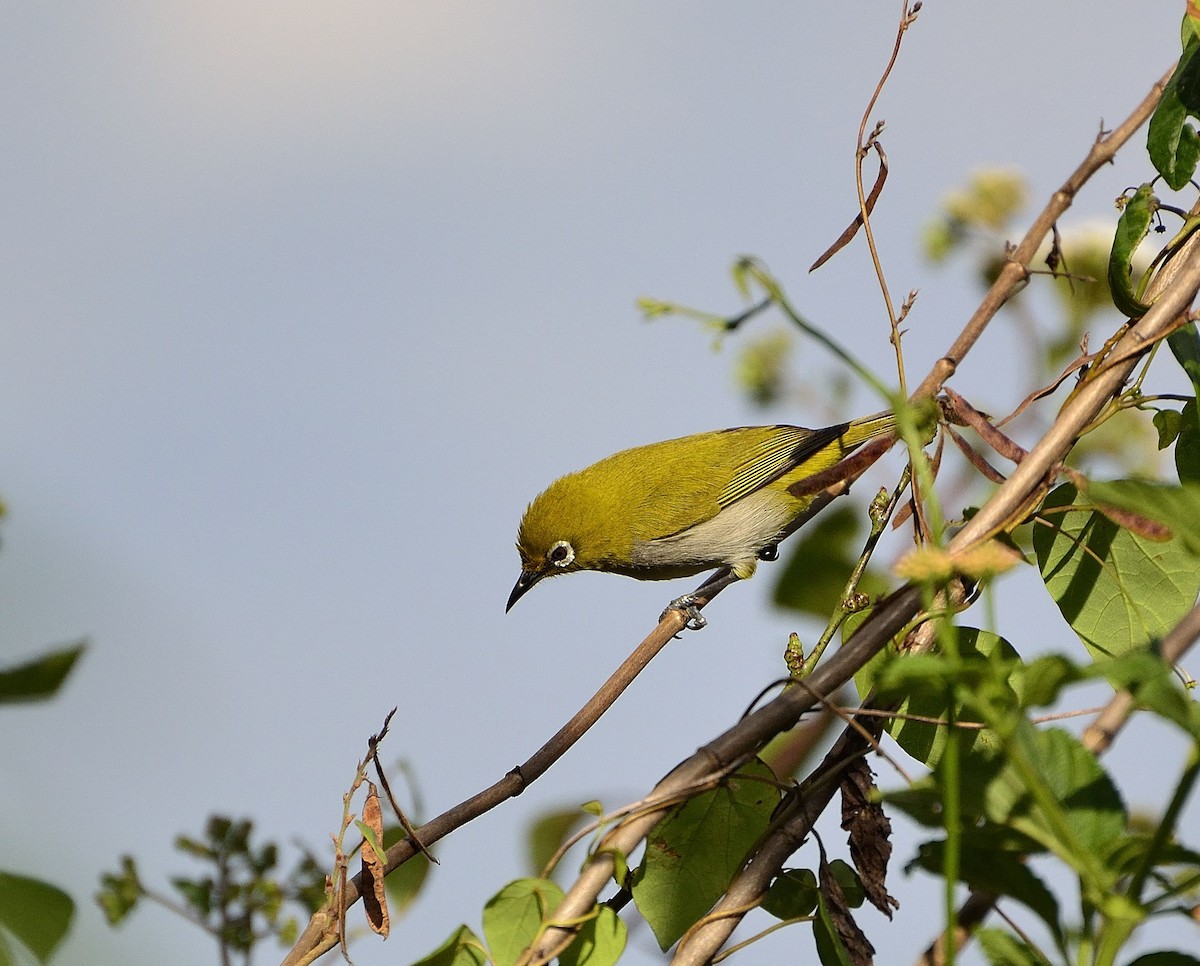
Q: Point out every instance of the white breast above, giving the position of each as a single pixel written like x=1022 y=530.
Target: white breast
x=733 y=538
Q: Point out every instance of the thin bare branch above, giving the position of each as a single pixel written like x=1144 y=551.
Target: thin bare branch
x=320 y=934
x=908 y=16
x=1016 y=269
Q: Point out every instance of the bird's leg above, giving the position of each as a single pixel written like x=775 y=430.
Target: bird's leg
x=693 y=620
x=689 y=604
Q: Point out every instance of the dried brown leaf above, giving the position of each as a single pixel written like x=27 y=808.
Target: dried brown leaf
x=973 y=456
x=870 y=835
x=861 y=951
x=852 y=229
x=982 y=424
x=374 y=894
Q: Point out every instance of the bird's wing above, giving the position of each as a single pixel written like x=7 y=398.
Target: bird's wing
x=781 y=450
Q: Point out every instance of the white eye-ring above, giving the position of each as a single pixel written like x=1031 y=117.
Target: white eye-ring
x=561 y=554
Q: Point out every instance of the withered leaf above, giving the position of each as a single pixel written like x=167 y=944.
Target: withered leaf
x=857 y=945
x=870 y=835
x=374 y=895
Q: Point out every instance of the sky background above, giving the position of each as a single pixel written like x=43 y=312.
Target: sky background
x=303 y=303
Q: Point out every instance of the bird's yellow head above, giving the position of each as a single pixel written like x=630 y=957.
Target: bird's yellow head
x=570 y=527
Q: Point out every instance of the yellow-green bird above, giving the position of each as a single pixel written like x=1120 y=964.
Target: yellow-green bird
x=682 y=506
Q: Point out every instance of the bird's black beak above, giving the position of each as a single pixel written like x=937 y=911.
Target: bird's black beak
x=527 y=579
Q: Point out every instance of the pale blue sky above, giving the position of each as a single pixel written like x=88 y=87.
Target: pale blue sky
x=304 y=301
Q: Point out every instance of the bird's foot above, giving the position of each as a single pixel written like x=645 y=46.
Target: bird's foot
x=693 y=620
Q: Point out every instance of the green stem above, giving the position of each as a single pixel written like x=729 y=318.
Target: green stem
x=1115 y=931
x=752 y=268
x=1166 y=827
x=879 y=519
x=951 y=777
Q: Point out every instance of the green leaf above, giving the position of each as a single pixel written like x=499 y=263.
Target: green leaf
x=463 y=948
x=1089 y=804
x=40 y=678
x=999 y=872
x=1185 y=346
x=693 y=853
x=831 y=951
x=35 y=913
x=815 y=576
x=1154 y=686
x=792 y=894
x=1004 y=949
x=849 y=882
x=1131 y=229
x=1166 y=958
x=514 y=916
x=198 y=895
x=1167 y=421
x=119 y=893
x=986 y=664
x=1171 y=141
x=1189 y=31
x=1187 y=447
x=1045 y=678
x=1132 y=850
x=600 y=942
x=1116 y=589
x=548 y=833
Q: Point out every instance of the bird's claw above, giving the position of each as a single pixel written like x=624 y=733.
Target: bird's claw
x=693 y=620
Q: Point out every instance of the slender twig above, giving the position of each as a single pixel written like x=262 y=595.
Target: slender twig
x=870 y=736
x=962 y=725
x=1016 y=268
x=320 y=934
x=881 y=512
x=907 y=17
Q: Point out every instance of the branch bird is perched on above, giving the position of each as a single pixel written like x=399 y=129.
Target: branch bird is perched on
x=682 y=506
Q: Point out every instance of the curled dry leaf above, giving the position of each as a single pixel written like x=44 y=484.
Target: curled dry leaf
x=862 y=953
x=374 y=894
x=870 y=835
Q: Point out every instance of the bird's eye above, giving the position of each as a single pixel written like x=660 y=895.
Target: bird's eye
x=561 y=554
